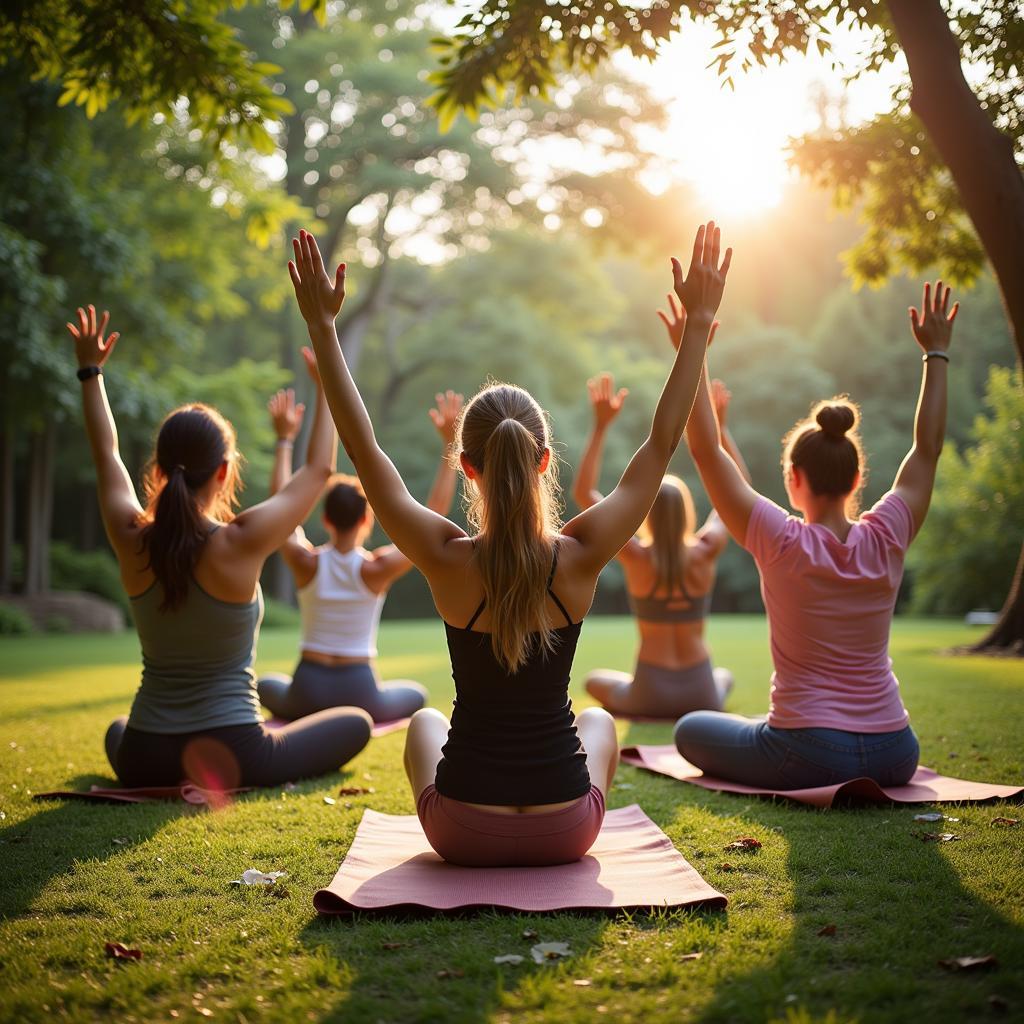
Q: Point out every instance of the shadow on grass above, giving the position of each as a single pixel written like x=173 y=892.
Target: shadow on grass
x=48 y=843
x=899 y=905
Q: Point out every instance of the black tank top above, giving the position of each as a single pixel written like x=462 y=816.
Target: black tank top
x=513 y=738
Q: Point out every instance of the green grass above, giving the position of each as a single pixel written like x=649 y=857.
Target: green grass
x=899 y=904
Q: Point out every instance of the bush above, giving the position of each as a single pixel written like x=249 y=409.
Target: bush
x=279 y=615
x=95 y=572
x=14 y=622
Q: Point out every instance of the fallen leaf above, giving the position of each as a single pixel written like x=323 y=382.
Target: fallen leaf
x=509 y=958
x=120 y=840
x=1005 y=822
x=121 y=952
x=330 y=801
x=545 y=951
x=746 y=843
x=529 y=934
x=726 y=867
x=204 y=1011
x=255 y=877
x=582 y=982
x=354 y=791
x=393 y=945
x=829 y=929
x=691 y=956
x=451 y=972
x=969 y=963
x=936 y=837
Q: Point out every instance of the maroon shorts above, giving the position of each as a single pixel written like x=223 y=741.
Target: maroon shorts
x=475 y=838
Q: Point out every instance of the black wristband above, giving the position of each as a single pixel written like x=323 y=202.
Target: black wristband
x=85 y=372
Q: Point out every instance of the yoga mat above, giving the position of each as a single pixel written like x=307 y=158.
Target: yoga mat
x=925 y=787
x=391 y=867
x=379 y=728
x=188 y=792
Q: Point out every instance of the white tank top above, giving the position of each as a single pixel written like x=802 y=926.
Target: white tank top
x=340 y=614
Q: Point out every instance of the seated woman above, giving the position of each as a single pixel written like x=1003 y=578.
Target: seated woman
x=192 y=569
x=341 y=586
x=829 y=582
x=670 y=574
x=514 y=778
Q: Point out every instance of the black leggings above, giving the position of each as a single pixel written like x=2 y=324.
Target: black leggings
x=315 y=687
x=238 y=755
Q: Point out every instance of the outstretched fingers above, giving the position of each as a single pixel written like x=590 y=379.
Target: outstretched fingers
x=953 y=312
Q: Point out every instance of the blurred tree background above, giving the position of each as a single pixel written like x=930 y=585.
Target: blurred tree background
x=521 y=246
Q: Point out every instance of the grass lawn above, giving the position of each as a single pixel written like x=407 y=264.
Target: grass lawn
x=156 y=876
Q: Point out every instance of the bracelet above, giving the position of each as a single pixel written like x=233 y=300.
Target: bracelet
x=936 y=353
x=86 y=372
x=283 y=442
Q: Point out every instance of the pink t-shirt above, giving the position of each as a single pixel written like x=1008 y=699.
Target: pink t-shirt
x=830 y=608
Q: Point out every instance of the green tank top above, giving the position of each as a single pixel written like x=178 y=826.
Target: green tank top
x=196 y=662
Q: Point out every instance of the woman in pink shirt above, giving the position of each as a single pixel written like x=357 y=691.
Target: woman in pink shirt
x=829 y=582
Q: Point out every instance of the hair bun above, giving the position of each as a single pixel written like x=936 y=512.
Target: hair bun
x=835 y=419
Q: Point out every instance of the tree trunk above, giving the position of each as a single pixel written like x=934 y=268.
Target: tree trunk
x=6 y=505
x=991 y=186
x=39 y=516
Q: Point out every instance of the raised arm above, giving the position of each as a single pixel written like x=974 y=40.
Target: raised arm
x=387 y=563
x=119 y=504
x=933 y=331
x=262 y=529
x=286 y=419
x=607 y=404
x=420 y=533
x=605 y=527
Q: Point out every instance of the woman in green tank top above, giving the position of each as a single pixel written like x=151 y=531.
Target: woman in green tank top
x=191 y=567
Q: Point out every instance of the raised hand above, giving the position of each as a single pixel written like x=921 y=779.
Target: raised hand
x=721 y=396
x=309 y=358
x=701 y=290
x=677 y=324
x=445 y=416
x=607 y=402
x=933 y=326
x=285 y=414
x=90 y=348
x=320 y=299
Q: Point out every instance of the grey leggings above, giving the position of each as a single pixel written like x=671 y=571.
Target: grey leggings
x=315 y=687
x=658 y=692
x=751 y=751
x=237 y=755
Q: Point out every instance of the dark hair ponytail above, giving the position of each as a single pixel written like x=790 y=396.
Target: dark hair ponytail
x=826 y=447
x=192 y=444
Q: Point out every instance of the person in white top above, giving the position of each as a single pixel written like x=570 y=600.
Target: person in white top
x=341 y=586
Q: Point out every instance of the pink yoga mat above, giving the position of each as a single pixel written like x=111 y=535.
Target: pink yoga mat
x=925 y=787
x=188 y=792
x=379 y=728
x=390 y=866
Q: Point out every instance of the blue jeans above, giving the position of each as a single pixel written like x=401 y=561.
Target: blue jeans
x=750 y=751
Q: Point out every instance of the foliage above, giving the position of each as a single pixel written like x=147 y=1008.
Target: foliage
x=147 y=56
x=95 y=572
x=162 y=885
x=13 y=621
x=886 y=168
x=965 y=555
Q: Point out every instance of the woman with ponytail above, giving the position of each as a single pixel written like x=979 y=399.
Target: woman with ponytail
x=514 y=777
x=829 y=582
x=670 y=574
x=191 y=567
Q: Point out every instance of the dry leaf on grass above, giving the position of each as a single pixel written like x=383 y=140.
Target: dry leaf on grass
x=121 y=952
x=448 y=973
x=829 y=929
x=253 y=876
x=330 y=801
x=529 y=934
x=582 y=982
x=969 y=963
x=745 y=843
x=545 y=952
x=509 y=958
x=120 y=840
x=1005 y=822
x=691 y=956
x=726 y=866
x=936 y=837
x=393 y=945
x=355 y=791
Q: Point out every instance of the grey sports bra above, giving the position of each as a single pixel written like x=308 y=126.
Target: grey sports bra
x=680 y=608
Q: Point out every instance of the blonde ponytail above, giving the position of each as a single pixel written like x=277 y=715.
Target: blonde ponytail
x=513 y=507
x=669 y=525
